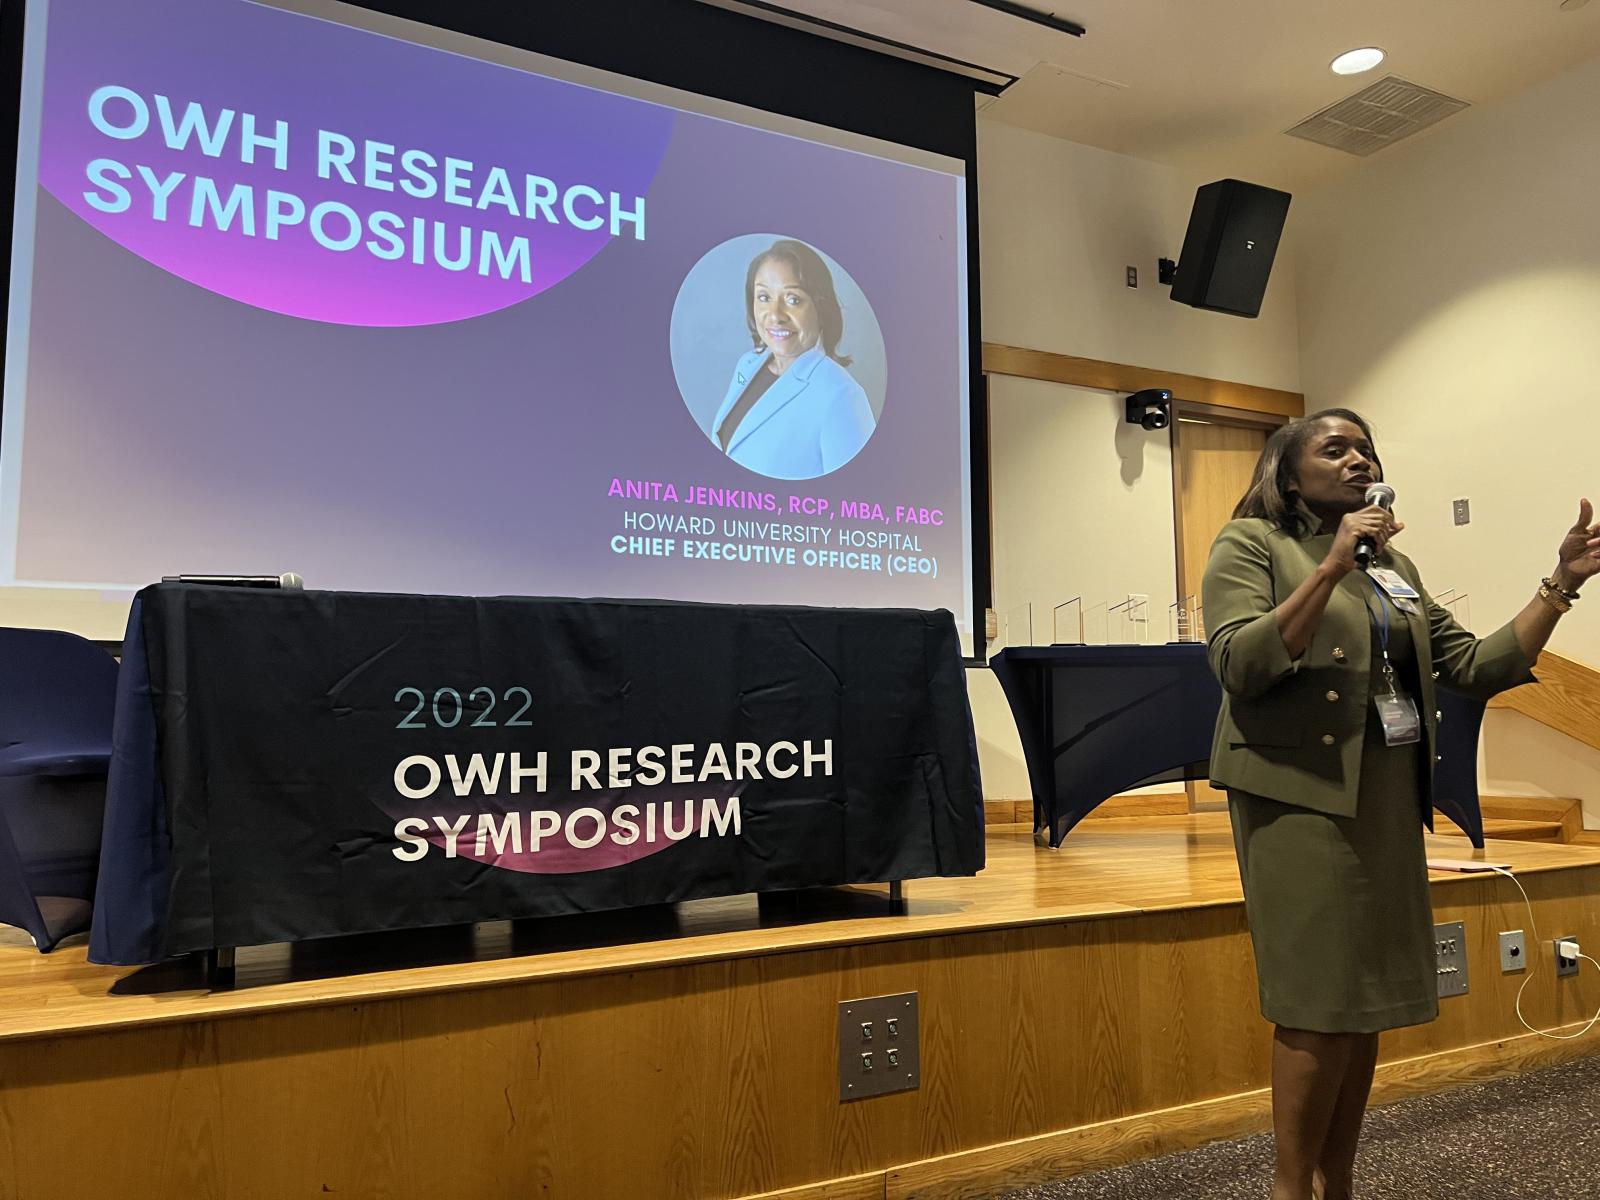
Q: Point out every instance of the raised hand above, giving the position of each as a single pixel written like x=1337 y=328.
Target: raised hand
x=1579 y=554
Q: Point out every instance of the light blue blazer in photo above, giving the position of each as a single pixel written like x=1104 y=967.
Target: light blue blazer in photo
x=813 y=419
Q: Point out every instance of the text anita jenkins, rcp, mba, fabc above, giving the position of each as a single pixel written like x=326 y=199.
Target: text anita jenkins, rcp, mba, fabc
x=418 y=777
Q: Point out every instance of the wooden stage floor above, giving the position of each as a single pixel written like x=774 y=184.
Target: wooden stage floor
x=1106 y=869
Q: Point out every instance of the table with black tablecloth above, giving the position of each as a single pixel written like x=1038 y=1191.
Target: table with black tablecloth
x=1097 y=720
x=292 y=765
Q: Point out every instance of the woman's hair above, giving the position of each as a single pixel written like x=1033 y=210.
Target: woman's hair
x=1272 y=494
x=818 y=283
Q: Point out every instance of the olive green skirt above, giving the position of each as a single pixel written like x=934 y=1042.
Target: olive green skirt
x=1338 y=906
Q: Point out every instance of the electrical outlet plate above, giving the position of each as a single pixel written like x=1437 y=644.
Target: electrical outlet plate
x=1513 y=951
x=1564 y=966
x=1450 y=948
x=879 y=1046
x=1462 y=511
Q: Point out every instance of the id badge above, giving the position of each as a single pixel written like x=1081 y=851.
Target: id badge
x=1393 y=584
x=1401 y=594
x=1398 y=716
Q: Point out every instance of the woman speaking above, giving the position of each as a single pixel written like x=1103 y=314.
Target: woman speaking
x=792 y=411
x=1325 y=744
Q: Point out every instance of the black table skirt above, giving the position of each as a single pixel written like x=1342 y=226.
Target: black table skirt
x=295 y=764
x=1097 y=720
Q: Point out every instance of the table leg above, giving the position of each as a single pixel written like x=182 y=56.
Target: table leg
x=219 y=968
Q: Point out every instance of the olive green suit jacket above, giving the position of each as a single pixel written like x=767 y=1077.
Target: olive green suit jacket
x=1291 y=729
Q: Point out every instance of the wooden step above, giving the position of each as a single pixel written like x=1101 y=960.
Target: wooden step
x=1511 y=830
x=1158 y=804
x=1524 y=818
x=1512 y=818
x=1564 y=812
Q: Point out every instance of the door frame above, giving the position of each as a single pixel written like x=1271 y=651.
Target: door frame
x=1215 y=414
x=1202 y=797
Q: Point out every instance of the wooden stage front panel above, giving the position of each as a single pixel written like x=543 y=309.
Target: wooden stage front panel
x=1079 y=1007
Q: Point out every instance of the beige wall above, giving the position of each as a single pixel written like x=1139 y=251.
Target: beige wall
x=1083 y=500
x=1450 y=290
x=1059 y=225
x=104 y=616
x=1517 y=756
x=1082 y=507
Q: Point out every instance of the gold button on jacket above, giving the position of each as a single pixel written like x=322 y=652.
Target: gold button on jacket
x=1275 y=707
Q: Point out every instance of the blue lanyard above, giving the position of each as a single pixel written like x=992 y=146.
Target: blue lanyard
x=1383 y=607
x=1383 y=630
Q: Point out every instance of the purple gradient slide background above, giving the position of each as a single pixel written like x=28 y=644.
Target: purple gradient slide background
x=172 y=428
x=315 y=75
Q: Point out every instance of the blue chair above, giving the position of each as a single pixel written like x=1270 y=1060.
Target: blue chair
x=57 y=694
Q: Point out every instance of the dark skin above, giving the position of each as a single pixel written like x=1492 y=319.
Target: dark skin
x=1320 y=1081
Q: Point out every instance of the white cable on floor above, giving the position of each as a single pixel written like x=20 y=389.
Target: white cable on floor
x=1534 y=925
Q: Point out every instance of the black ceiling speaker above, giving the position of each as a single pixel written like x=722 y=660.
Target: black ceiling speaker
x=1227 y=253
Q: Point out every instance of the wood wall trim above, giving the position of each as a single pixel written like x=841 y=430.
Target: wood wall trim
x=1119 y=377
x=1219 y=415
x=1029 y=1162
x=1566 y=698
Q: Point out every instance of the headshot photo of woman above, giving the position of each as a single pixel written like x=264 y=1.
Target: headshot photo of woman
x=1329 y=662
x=792 y=409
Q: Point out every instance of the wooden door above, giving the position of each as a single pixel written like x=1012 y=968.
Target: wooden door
x=1213 y=460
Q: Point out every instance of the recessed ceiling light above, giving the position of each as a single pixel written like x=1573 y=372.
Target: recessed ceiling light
x=1353 y=62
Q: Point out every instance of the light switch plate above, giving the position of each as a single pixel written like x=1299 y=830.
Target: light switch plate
x=1450 y=947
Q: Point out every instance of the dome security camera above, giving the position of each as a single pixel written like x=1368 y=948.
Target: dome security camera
x=1151 y=408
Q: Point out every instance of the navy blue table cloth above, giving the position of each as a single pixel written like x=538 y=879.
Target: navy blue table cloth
x=289 y=765
x=1097 y=720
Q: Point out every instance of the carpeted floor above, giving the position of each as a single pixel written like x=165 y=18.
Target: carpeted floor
x=1532 y=1137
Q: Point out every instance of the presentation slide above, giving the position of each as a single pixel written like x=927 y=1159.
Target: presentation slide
x=306 y=288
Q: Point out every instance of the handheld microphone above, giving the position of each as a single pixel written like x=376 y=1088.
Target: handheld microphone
x=287 y=580
x=1382 y=495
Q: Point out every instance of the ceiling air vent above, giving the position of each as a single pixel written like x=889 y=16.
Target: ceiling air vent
x=1377 y=116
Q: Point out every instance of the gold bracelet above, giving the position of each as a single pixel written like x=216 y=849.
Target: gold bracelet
x=1555 y=587
x=1554 y=598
